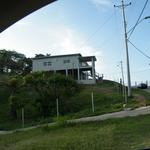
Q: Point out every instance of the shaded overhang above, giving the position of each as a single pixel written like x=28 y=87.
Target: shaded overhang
x=87 y=58
x=56 y=56
x=12 y=11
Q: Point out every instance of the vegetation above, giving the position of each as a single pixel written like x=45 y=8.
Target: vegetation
x=36 y=93
x=140 y=98
x=117 y=134
x=14 y=62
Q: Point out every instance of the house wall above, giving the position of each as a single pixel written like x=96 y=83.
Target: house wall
x=56 y=63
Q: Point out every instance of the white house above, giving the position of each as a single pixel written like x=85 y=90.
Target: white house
x=80 y=68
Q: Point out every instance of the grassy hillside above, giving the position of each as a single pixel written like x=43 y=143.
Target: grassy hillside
x=117 y=134
x=107 y=98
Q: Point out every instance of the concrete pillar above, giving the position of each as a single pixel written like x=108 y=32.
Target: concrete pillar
x=66 y=72
x=93 y=70
x=78 y=73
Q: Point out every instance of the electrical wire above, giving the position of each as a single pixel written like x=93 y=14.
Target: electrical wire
x=139 y=50
x=97 y=30
x=140 y=71
x=110 y=38
x=137 y=22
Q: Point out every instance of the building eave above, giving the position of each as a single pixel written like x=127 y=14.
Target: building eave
x=57 y=56
x=87 y=58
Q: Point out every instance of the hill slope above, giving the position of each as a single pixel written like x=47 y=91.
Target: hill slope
x=107 y=98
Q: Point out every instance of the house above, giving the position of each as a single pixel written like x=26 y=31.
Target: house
x=80 y=68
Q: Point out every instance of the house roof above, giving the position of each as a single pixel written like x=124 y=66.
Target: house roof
x=87 y=58
x=55 y=56
x=12 y=11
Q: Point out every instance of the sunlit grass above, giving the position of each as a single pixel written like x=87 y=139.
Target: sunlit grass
x=118 y=134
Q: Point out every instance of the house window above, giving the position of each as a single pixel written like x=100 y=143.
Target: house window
x=45 y=63
x=49 y=63
x=66 y=61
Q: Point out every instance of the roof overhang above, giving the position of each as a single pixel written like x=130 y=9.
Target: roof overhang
x=12 y=11
x=87 y=58
x=57 y=56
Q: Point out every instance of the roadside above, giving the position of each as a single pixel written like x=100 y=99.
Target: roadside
x=147 y=90
x=121 y=114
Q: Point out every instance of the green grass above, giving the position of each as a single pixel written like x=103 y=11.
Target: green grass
x=117 y=134
x=140 y=98
x=107 y=98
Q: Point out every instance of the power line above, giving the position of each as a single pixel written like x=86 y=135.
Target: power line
x=97 y=30
x=119 y=73
x=137 y=22
x=140 y=71
x=109 y=39
x=139 y=50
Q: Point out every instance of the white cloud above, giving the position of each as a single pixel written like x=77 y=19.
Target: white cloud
x=101 y=3
x=65 y=41
x=55 y=40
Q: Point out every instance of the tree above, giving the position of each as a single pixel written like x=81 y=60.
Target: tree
x=48 y=88
x=9 y=61
x=42 y=55
x=64 y=87
x=39 y=84
x=4 y=59
x=14 y=62
x=14 y=86
x=39 y=55
x=25 y=65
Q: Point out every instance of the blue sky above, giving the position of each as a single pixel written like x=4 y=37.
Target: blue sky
x=89 y=27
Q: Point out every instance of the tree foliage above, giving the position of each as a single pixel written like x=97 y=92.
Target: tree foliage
x=36 y=92
x=14 y=62
x=48 y=88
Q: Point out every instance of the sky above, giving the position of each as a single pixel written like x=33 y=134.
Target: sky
x=89 y=27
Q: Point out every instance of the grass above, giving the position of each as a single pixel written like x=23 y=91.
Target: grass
x=117 y=134
x=140 y=98
x=107 y=98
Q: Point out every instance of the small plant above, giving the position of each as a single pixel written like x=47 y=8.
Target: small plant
x=117 y=106
x=45 y=128
x=61 y=121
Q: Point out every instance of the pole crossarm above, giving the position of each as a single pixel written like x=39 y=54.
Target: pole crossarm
x=121 y=6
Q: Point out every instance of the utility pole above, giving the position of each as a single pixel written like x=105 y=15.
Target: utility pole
x=122 y=6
